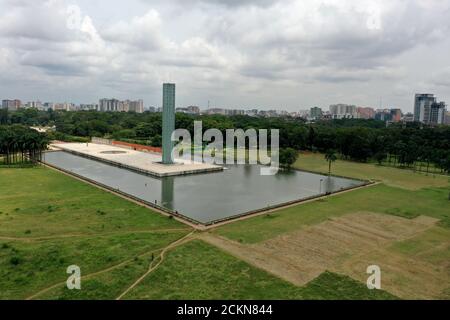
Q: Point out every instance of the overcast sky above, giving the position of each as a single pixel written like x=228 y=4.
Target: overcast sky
x=282 y=54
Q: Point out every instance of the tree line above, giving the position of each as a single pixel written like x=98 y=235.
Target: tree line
x=20 y=144
x=411 y=145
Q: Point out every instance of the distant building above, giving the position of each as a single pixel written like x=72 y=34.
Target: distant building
x=305 y=114
x=88 y=107
x=114 y=105
x=193 y=110
x=252 y=112
x=63 y=106
x=409 y=117
x=11 y=105
x=136 y=106
x=189 y=110
x=447 y=118
x=343 y=111
x=390 y=115
x=427 y=110
x=234 y=112
x=213 y=111
x=383 y=115
x=49 y=105
x=109 y=105
x=437 y=113
x=316 y=113
x=365 y=113
x=396 y=115
x=34 y=105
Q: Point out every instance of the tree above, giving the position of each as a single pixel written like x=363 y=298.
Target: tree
x=380 y=157
x=331 y=157
x=20 y=144
x=288 y=156
x=3 y=116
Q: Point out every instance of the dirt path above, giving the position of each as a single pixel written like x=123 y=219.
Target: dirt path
x=171 y=246
x=105 y=270
x=105 y=234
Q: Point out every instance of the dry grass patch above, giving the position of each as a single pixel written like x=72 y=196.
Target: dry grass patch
x=340 y=244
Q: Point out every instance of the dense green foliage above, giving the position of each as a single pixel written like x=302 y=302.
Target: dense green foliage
x=359 y=140
x=288 y=156
x=19 y=144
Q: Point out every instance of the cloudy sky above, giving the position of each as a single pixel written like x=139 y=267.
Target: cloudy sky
x=283 y=54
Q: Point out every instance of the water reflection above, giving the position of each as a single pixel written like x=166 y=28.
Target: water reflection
x=167 y=191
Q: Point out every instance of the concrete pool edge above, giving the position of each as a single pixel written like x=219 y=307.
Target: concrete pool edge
x=211 y=224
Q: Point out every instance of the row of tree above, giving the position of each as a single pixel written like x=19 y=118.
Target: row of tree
x=20 y=144
x=359 y=140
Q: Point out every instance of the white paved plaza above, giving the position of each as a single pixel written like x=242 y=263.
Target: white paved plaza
x=135 y=160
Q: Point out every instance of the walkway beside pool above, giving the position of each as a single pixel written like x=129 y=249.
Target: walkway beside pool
x=142 y=162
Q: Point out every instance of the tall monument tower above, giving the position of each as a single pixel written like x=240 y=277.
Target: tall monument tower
x=168 y=125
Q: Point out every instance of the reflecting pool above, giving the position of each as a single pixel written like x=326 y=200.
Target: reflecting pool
x=206 y=197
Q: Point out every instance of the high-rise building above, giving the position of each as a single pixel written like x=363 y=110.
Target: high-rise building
x=168 y=126
x=436 y=113
x=11 y=105
x=343 y=111
x=114 y=105
x=316 y=113
x=428 y=110
x=108 y=105
x=421 y=102
x=447 y=118
x=136 y=106
x=383 y=115
x=365 y=113
x=34 y=105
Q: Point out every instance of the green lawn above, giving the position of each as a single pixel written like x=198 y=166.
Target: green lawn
x=432 y=246
x=395 y=177
x=40 y=202
x=28 y=267
x=198 y=270
x=49 y=221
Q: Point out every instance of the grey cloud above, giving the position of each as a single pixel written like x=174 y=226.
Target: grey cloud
x=217 y=47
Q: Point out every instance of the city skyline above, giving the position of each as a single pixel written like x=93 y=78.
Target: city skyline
x=41 y=104
x=312 y=53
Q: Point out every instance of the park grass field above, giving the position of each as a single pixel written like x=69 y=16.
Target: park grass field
x=198 y=270
x=401 y=178
x=49 y=221
x=417 y=267
x=379 y=199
